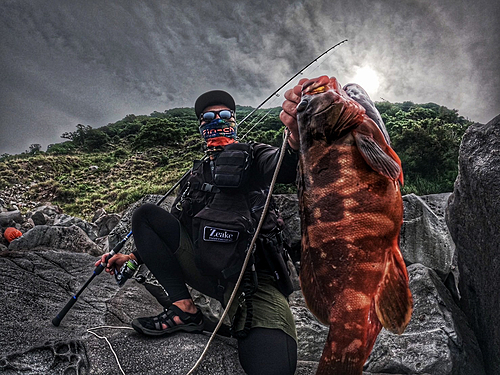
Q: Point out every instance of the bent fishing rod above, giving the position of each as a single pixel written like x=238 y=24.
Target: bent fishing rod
x=289 y=80
x=117 y=248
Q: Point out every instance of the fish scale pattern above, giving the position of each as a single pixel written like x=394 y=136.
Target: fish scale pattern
x=352 y=273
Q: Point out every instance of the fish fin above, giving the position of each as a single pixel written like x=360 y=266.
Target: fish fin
x=393 y=300
x=332 y=361
x=338 y=359
x=384 y=162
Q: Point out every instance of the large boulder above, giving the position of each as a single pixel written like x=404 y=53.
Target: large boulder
x=425 y=238
x=45 y=281
x=10 y=218
x=437 y=341
x=474 y=220
x=71 y=238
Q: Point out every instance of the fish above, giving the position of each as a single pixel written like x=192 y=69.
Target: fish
x=352 y=273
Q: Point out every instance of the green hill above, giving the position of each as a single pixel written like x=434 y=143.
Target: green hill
x=115 y=165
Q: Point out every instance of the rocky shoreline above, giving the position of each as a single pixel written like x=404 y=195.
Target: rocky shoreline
x=449 y=241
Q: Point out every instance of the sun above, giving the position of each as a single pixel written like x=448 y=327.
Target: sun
x=367 y=78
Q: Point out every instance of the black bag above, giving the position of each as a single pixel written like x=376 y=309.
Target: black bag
x=222 y=232
x=231 y=167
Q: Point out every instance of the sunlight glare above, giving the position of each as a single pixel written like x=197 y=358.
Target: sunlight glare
x=367 y=78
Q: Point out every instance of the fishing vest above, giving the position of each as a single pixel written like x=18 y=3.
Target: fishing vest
x=221 y=206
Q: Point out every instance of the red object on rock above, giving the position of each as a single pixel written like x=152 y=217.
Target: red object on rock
x=11 y=234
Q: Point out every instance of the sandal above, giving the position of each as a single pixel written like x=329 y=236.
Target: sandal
x=152 y=326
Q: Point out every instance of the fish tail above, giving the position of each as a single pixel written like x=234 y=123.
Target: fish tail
x=345 y=354
x=393 y=301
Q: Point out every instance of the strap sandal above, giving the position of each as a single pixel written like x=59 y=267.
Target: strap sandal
x=153 y=326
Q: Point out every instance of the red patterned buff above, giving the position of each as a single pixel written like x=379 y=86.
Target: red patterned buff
x=219 y=132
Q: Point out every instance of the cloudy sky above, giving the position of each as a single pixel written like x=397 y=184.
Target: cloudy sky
x=92 y=62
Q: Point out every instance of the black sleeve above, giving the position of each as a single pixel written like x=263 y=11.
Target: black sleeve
x=266 y=158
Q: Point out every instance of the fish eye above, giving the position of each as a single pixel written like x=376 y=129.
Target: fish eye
x=302 y=105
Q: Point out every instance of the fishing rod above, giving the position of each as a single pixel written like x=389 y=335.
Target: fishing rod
x=60 y=316
x=295 y=75
x=98 y=270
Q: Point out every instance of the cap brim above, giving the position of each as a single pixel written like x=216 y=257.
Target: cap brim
x=213 y=97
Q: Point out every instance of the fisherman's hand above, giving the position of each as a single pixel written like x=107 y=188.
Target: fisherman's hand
x=115 y=262
x=288 y=115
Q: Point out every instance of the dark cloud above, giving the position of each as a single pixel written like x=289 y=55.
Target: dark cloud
x=64 y=63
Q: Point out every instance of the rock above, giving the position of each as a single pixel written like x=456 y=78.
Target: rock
x=125 y=225
x=474 y=220
x=9 y=218
x=100 y=212
x=50 y=211
x=39 y=218
x=425 y=238
x=105 y=224
x=72 y=239
x=64 y=220
x=437 y=341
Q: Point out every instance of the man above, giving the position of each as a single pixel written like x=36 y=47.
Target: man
x=188 y=246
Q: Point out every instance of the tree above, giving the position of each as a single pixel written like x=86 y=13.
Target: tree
x=35 y=148
x=78 y=136
x=158 y=132
x=95 y=140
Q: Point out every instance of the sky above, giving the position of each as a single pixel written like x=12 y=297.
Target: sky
x=92 y=62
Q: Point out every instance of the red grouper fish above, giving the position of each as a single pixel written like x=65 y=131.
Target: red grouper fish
x=352 y=275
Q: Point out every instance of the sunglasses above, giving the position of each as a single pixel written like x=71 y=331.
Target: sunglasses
x=225 y=114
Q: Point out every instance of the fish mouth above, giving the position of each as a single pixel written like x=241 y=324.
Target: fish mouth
x=314 y=104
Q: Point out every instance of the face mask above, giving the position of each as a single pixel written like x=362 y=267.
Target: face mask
x=219 y=132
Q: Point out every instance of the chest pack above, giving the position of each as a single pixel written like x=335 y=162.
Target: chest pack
x=222 y=203
x=214 y=204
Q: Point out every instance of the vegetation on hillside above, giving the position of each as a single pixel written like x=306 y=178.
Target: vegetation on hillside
x=117 y=164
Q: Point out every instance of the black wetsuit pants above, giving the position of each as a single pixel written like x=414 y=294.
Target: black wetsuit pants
x=157 y=237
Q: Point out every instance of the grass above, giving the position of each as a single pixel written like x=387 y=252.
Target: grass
x=73 y=183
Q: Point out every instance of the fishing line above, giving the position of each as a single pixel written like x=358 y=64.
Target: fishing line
x=291 y=78
x=257 y=123
x=276 y=94
x=90 y=330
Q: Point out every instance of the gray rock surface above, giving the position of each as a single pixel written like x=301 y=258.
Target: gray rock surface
x=437 y=341
x=9 y=218
x=425 y=238
x=30 y=344
x=39 y=283
x=64 y=220
x=71 y=238
x=106 y=223
x=474 y=220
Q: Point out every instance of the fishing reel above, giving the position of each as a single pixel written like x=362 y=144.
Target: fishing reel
x=127 y=271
